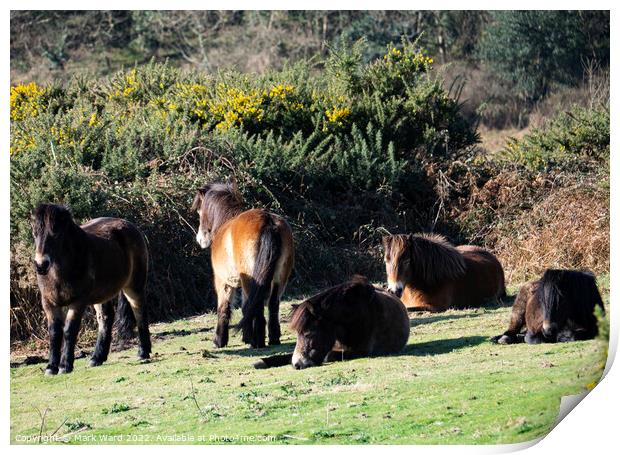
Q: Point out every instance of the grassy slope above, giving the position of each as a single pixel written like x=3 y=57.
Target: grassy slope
x=450 y=385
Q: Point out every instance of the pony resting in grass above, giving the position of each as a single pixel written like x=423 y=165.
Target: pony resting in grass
x=557 y=308
x=352 y=319
x=91 y=264
x=251 y=250
x=428 y=273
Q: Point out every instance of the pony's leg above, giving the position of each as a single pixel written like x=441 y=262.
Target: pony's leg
x=246 y=335
x=585 y=334
x=340 y=356
x=260 y=324
x=566 y=335
x=533 y=338
x=55 y=320
x=255 y=337
x=72 y=327
x=137 y=302
x=274 y=315
x=277 y=360
x=105 y=321
x=517 y=320
x=224 y=297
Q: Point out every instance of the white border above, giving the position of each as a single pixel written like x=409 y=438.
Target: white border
x=591 y=427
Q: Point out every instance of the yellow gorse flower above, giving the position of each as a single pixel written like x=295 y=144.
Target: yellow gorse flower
x=25 y=101
x=281 y=91
x=337 y=114
x=395 y=56
x=63 y=136
x=93 y=120
x=20 y=141
x=234 y=106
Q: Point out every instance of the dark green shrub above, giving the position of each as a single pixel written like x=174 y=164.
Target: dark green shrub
x=571 y=139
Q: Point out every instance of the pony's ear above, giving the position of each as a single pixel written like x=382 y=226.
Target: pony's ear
x=232 y=183
x=197 y=202
x=63 y=218
x=360 y=290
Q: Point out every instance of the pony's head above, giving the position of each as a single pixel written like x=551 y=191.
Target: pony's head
x=421 y=260
x=51 y=228
x=215 y=204
x=326 y=316
x=397 y=261
x=564 y=295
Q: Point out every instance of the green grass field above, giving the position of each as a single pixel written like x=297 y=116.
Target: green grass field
x=449 y=386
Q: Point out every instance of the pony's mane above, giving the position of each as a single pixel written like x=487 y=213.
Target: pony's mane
x=316 y=305
x=48 y=215
x=569 y=290
x=433 y=259
x=219 y=201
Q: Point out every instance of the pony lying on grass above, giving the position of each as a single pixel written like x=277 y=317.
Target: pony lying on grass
x=429 y=274
x=557 y=308
x=85 y=265
x=352 y=319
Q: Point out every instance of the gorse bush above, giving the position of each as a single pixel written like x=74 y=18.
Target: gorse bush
x=331 y=149
x=570 y=139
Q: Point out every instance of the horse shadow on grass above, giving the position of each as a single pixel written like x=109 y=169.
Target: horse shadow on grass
x=444 y=346
x=244 y=351
x=504 y=302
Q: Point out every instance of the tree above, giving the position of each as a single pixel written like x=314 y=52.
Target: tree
x=536 y=49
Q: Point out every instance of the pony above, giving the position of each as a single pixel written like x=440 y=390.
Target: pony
x=350 y=320
x=428 y=273
x=557 y=308
x=252 y=250
x=91 y=264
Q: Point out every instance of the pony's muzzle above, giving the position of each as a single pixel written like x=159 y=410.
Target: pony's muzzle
x=42 y=264
x=396 y=289
x=549 y=329
x=302 y=362
x=202 y=240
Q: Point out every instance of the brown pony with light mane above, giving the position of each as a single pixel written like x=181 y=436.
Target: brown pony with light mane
x=428 y=273
x=252 y=250
x=91 y=264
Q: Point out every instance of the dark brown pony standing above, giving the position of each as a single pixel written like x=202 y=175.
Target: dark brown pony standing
x=91 y=264
x=252 y=250
x=557 y=308
x=352 y=319
x=428 y=273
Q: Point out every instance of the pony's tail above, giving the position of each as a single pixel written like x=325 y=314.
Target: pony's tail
x=269 y=250
x=125 y=319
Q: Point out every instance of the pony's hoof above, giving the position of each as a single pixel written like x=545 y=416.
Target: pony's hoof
x=496 y=339
x=260 y=365
x=51 y=371
x=95 y=363
x=217 y=343
x=65 y=370
x=144 y=354
x=504 y=339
